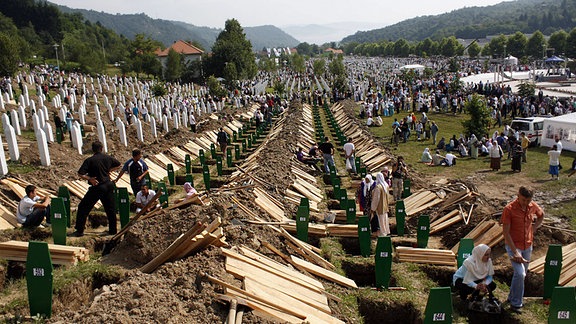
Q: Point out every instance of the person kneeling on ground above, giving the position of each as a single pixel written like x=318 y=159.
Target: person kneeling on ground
x=191 y=194
x=449 y=160
x=143 y=197
x=475 y=275
x=307 y=160
x=32 y=209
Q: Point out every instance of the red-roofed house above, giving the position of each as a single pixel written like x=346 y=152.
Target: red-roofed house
x=335 y=51
x=190 y=52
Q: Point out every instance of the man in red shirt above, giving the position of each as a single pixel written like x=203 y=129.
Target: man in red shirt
x=520 y=219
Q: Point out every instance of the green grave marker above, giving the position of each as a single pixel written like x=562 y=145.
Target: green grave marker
x=552 y=269
x=202 y=157
x=343 y=199
x=305 y=202
x=237 y=152
x=406 y=192
x=206 y=174
x=244 y=146
x=64 y=193
x=464 y=250
x=219 y=165
x=59 y=220
x=229 y=157
x=364 y=236
x=59 y=135
x=148 y=180
x=351 y=211
x=302 y=219
x=164 y=196
x=423 y=231
x=170 y=171
x=336 y=182
x=188 y=162
x=383 y=262
x=562 y=306
x=124 y=206
x=363 y=172
x=213 y=150
x=439 y=306
x=39 y=279
x=400 y=217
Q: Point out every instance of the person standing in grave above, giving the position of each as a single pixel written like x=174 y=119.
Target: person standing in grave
x=137 y=169
x=96 y=170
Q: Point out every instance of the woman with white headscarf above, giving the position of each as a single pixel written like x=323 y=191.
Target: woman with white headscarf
x=426 y=156
x=363 y=194
x=475 y=275
x=379 y=206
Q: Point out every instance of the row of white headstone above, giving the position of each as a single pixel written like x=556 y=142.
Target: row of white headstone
x=14 y=122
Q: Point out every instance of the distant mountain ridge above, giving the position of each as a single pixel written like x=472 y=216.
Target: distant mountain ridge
x=526 y=16
x=324 y=33
x=167 y=31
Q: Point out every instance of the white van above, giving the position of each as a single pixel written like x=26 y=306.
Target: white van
x=531 y=126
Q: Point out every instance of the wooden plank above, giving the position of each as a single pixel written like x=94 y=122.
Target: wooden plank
x=323 y=273
x=304 y=281
x=313 y=315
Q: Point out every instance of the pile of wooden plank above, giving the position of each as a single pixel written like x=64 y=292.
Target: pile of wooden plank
x=274 y=290
x=368 y=149
x=426 y=256
x=60 y=254
x=318 y=230
x=79 y=188
x=420 y=201
x=568 y=273
x=268 y=203
x=446 y=221
x=18 y=187
x=195 y=239
x=487 y=232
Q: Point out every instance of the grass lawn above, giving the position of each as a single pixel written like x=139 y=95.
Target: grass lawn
x=535 y=169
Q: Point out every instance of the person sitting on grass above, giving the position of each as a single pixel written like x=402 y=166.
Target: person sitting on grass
x=426 y=157
x=474 y=277
x=437 y=159
x=449 y=160
x=32 y=209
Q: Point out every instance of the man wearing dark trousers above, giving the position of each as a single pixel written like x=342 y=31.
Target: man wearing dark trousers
x=96 y=170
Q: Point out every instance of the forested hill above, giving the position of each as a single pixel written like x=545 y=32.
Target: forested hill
x=167 y=31
x=526 y=16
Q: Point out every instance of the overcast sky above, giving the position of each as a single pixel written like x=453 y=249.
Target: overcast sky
x=214 y=13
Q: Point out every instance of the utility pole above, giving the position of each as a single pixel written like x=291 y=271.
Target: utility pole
x=57 y=60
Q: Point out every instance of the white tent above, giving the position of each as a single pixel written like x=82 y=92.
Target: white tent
x=511 y=60
x=562 y=127
x=416 y=67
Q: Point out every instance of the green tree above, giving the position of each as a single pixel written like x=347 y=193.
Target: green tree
x=215 y=87
x=536 y=45
x=174 y=66
x=479 y=121
x=450 y=47
x=230 y=74
x=232 y=46
x=474 y=50
x=516 y=45
x=10 y=57
x=497 y=46
x=319 y=66
x=338 y=71
x=304 y=49
x=526 y=89
x=558 y=41
x=298 y=64
x=571 y=44
x=401 y=48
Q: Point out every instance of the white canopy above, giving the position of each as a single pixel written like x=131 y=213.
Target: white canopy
x=562 y=127
x=511 y=60
x=413 y=67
